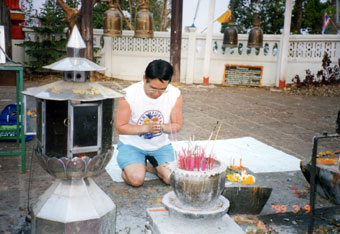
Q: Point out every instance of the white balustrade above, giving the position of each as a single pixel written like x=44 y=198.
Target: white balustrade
x=126 y=57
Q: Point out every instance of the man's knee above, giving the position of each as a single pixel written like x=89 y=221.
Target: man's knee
x=166 y=180
x=135 y=179
x=163 y=172
x=134 y=174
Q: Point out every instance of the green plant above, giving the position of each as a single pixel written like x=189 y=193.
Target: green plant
x=47 y=47
x=98 y=14
x=327 y=76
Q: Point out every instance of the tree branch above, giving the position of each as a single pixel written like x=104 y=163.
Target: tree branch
x=125 y=18
x=71 y=15
x=94 y=2
x=164 y=16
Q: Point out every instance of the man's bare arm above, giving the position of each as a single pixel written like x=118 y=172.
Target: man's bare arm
x=175 y=117
x=122 y=121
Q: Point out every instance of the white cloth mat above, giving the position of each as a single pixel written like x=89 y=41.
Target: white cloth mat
x=256 y=156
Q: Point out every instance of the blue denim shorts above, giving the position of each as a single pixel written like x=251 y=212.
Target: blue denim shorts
x=128 y=154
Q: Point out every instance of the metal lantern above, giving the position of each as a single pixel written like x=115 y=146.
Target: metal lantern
x=113 y=21
x=144 y=21
x=230 y=35
x=73 y=119
x=255 y=39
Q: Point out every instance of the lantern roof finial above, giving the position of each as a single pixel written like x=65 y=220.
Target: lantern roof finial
x=75 y=63
x=76 y=41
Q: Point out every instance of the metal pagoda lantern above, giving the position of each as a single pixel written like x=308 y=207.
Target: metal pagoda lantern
x=73 y=121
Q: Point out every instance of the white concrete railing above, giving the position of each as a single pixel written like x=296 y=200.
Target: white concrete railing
x=126 y=57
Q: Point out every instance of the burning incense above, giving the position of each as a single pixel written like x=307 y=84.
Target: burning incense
x=218 y=131
x=194 y=158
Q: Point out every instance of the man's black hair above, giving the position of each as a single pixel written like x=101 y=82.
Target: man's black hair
x=159 y=69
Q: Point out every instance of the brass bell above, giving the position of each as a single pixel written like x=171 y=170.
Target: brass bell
x=255 y=39
x=230 y=35
x=144 y=21
x=113 y=21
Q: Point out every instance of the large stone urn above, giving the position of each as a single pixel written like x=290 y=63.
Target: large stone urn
x=195 y=205
x=199 y=189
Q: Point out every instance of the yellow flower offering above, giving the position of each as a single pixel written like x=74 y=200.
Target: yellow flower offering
x=249 y=180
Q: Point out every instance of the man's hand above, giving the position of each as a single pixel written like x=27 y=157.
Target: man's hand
x=154 y=126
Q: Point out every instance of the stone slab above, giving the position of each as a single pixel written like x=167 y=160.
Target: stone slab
x=159 y=222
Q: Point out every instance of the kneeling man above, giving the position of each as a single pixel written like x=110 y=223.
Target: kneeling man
x=149 y=112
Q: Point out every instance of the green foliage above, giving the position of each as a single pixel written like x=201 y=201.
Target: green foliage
x=98 y=14
x=46 y=49
x=313 y=12
x=130 y=9
x=305 y=14
x=156 y=8
x=271 y=15
x=73 y=3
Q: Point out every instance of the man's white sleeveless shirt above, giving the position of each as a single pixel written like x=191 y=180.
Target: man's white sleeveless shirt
x=143 y=109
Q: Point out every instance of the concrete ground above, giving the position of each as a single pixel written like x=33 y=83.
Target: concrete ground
x=285 y=122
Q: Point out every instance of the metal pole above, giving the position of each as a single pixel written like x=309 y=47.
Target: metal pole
x=193 y=21
x=176 y=39
x=208 y=40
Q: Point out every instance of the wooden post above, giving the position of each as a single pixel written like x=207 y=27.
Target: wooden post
x=176 y=39
x=6 y=22
x=87 y=27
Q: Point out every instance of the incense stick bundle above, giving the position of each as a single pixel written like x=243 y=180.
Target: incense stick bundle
x=194 y=158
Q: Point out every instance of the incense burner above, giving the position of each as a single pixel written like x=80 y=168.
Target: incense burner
x=195 y=205
x=198 y=189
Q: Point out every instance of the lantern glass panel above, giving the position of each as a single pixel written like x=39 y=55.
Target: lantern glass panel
x=108 y=123
x=41 y=115
x=85 y=126
x=31 y=115
x=56 y=128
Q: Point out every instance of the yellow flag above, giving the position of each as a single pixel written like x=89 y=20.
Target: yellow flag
x=225 y=17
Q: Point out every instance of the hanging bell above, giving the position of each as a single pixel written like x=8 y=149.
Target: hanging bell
x=255 y=39
x=113 y=21
x=230 y=35
x=144 y=21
